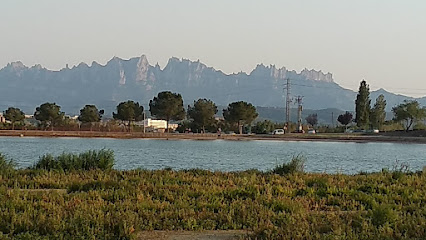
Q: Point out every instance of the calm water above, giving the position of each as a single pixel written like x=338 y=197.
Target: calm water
x=225 y=155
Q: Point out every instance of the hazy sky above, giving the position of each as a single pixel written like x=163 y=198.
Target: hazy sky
x=383 y=41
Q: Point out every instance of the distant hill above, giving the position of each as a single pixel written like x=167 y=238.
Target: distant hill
x=120 y=80
x=325 y=116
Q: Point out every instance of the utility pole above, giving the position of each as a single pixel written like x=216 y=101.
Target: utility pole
x=299 y=102
x=332 y=119
x=287 y=105
x=143 y=112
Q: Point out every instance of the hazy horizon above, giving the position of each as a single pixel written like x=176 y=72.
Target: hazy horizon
x=381 y=41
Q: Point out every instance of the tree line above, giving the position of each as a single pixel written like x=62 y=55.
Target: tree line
x=166 y=105
x=200 y=116
x=374 y=117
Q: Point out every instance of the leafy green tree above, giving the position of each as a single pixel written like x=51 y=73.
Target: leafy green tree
x=14 y=115
x=345 y=119
x=312 y=119
x=378 y=113
x=409 y=112
x=167 y=106
x=263 y=127
x=129 y=111
x=203 y=113
x=362 y=105
x=241 y=113
x=49 y=114
x=90 y=114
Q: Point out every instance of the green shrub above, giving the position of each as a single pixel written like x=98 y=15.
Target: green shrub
x=317 y=183
x=296 y=165
x=6 y=165
x=102 y=159
x=382 y=214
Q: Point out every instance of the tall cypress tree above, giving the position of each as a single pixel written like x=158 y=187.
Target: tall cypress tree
x=362 y=106
x=378 y=113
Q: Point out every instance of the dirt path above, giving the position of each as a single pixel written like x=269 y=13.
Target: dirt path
x=400 y=137
x=189 y=235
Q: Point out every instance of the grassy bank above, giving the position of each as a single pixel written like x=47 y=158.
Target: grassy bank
x=95 y=204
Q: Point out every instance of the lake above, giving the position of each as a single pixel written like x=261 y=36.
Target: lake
x=330 y=157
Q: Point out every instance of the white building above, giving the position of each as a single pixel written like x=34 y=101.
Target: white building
x=2 y=119
x=156 y=125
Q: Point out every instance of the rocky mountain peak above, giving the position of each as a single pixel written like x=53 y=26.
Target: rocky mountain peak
x=82 y=65
x=16 y=66
x=317 y=75
x=173 y=60
x=142 y=69
x=37 y=67
x=143 y=60
x=114 y=60
x=95 y=64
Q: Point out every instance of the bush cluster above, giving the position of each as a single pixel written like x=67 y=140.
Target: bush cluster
x=6 y=165
x=102 y=159
x=296 y=165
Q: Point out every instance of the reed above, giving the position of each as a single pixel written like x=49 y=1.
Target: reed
x=102 y=159
x=296 y=165
x=6 y=165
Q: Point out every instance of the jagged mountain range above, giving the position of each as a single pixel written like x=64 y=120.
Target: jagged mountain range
x=136 y=79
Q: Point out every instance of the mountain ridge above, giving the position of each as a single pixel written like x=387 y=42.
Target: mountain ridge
x=135 y=78
x=311 y=74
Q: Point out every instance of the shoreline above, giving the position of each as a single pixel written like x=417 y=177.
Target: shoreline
x=330 y=137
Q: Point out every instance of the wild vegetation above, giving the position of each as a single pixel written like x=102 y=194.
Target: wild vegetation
x=296 y=165
x=6 y=165
x=97 y=204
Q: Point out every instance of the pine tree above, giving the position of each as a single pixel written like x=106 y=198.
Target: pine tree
x=240 y=113
x=203 y=113
x=14 y=115
x=362 y=106
x=167 y=106
x=90 y=114
x=129 y=111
